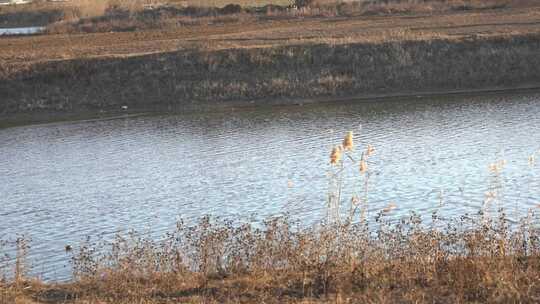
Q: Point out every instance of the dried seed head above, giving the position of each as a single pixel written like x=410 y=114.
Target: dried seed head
x=370 y=150
x=490 y=195
x=389 y=208
x=363 y=166
x=348 y=142
x=497 y=166
x=335 y=156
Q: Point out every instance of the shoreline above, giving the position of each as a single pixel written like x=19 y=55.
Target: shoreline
x=209 y=80
x=42 y=118
x=480 y=260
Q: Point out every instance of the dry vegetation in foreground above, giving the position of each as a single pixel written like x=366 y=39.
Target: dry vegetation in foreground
x=347 y=258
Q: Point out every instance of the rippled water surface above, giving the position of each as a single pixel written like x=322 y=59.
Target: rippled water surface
x=64 y=181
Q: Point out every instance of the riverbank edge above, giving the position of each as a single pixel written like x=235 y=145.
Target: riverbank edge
x=39 y=118
x=473 y=258
x=198 y=80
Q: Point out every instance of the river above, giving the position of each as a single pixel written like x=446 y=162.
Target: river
x=21 y=30
x=61 y=182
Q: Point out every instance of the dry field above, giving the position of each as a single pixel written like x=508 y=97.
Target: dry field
x=268 y=33
x=220 y=3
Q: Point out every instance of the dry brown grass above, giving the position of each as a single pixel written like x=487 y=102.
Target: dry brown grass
x=469 y=260
x=218 y=75
x=43 y=13
x=409 y=7
x=222 y=3
x=122 y=15
x=246 y=31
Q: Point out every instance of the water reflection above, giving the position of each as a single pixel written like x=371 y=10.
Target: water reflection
x=21 y=30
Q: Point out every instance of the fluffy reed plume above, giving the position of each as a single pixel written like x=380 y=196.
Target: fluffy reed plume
x=496 y=167
x=370 y=150
x=363 y=166
x=335 y=156
x=348 y=141
x=348 y=162
x=389 y=208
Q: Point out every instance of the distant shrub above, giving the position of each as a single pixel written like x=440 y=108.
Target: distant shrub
x=302 y=3
x=230 y=9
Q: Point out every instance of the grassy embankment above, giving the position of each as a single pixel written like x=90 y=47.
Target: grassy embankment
x=190 y=78
x=351 y=257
